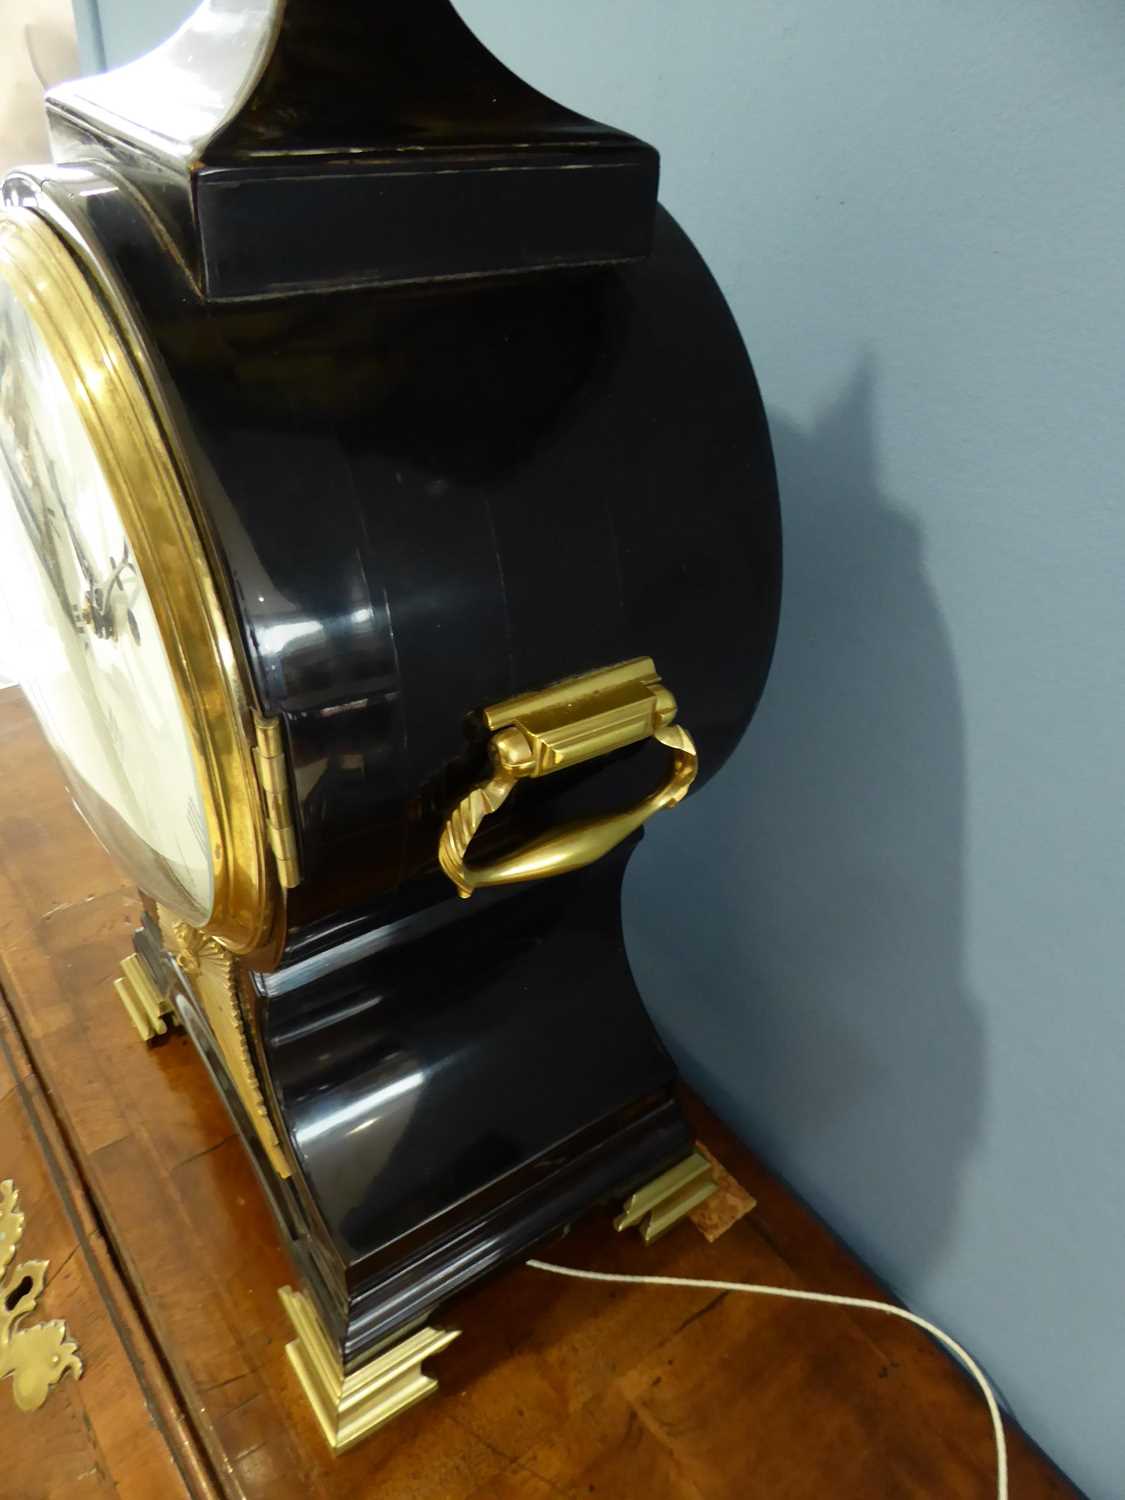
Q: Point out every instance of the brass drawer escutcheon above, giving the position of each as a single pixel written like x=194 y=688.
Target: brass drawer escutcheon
x=563 y=725
x=39 y=1356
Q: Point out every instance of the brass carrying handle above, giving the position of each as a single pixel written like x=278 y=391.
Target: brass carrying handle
x=539 y=733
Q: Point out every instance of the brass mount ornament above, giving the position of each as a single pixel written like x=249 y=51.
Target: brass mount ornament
x=36 y=1357
x=213 y=974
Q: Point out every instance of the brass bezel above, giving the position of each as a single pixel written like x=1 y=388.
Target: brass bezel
x=87 y=325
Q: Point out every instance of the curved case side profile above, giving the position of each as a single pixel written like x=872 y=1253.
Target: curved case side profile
x=467 y=427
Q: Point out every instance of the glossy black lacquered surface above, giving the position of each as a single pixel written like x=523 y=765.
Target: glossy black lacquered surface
x=469 y=169
x=429 y=500
x=450 y=1063
x=466 y=1086
x=455 y=1090
x=372 y=145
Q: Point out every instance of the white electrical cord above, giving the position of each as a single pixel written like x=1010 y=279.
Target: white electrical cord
x=778 y=1291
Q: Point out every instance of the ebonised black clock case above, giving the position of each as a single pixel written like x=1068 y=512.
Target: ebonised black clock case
x=459 y=414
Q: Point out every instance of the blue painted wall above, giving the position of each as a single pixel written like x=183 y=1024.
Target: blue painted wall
x=888 y=943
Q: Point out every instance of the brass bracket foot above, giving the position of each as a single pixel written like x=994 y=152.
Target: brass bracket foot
x=665 y=1200
x=146 y=1007
x=348 y=1407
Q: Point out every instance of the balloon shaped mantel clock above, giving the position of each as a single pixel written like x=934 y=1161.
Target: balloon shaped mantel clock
x=388 y=506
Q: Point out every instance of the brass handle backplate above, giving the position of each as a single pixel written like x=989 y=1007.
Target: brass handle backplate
x=539 y=733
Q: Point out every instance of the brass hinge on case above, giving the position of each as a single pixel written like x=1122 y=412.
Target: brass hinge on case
x=269 y=757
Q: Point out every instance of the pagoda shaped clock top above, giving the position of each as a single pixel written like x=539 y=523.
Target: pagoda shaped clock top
x=300 y=145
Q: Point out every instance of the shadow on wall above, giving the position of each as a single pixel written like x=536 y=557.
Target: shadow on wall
x=798 y=933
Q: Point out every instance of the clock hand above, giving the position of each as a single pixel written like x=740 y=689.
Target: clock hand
x=99 y=595
x=115 y=576
x=36 y=515
x=47 y=470
x=91 y=611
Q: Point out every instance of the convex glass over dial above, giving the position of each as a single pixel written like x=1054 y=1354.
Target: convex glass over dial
x=91 y=658
x=108 y=609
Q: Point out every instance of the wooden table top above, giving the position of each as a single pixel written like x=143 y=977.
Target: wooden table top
x=164 y=1262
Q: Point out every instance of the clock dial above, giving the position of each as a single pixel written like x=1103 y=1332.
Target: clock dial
x=91 y=657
